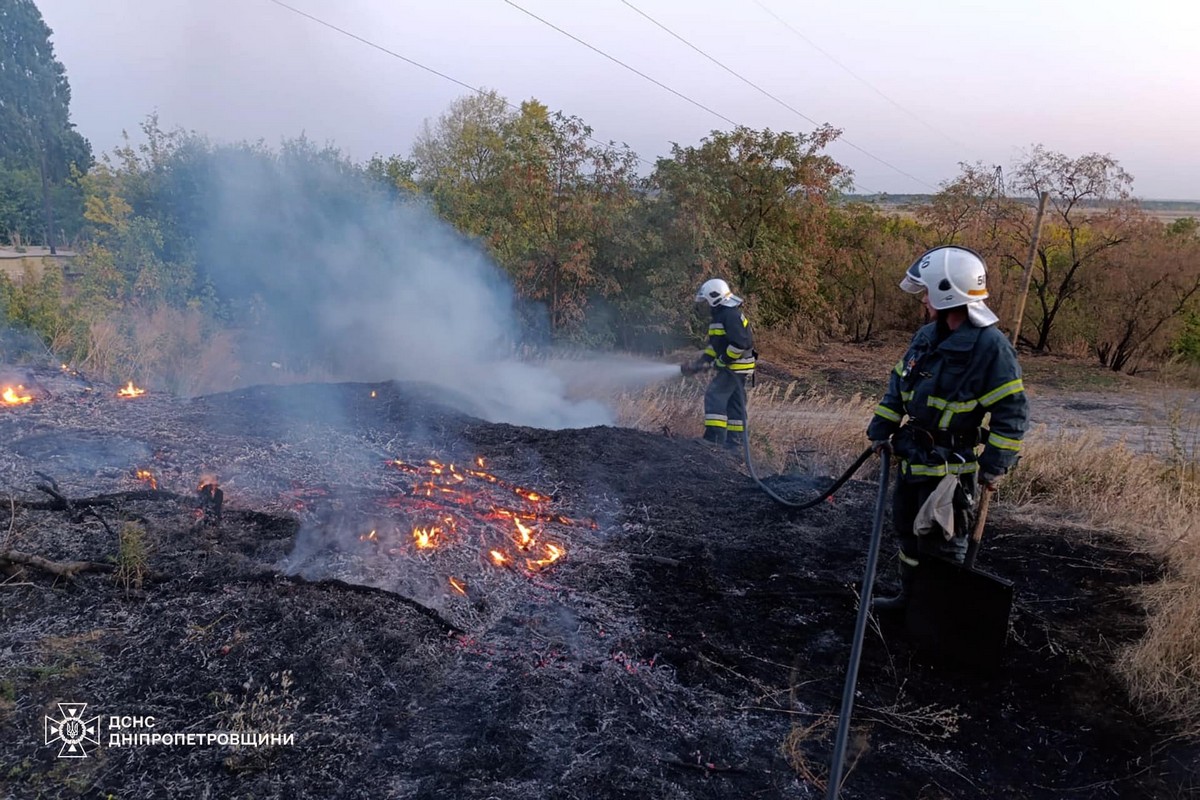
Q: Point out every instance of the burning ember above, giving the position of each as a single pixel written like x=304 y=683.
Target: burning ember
x=16 y=397
x=147 y=476
x=130 y=391
x=448 y=504
x=553 y=553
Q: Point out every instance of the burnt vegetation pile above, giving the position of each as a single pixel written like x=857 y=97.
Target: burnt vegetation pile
x=690 y=642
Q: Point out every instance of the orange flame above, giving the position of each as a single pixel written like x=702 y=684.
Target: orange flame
x=207 y=479
x=148 y=476
x=369 y=537
x=524 y=535
x=479 y=462
x=130 y=391
x=553 y=553
x=499 y=558
x=12 y=398
x=459 y=587
x=426 y=538
x=373 y=393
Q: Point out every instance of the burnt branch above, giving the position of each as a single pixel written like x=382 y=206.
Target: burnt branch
x=91 y=512
x=62 y=503
x=63 y=569
x=708 y=768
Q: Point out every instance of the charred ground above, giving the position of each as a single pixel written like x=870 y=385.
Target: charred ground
x=690 y=644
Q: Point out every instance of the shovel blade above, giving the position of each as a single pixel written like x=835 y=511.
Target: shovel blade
x=961 y=613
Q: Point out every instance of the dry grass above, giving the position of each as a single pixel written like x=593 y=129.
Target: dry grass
x=1149 y=500
x=1152 y=501
x=789 y=428
x=165 y=348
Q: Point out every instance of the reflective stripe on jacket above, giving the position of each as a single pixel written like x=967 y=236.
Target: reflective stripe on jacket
x=730 y=340
x=949 y=387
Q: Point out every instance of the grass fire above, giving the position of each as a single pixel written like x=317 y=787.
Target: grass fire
x=457 y=449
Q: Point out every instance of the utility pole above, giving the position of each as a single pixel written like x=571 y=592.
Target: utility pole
x=1028 y=274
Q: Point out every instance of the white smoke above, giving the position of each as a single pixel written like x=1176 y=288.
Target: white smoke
x=372 y=286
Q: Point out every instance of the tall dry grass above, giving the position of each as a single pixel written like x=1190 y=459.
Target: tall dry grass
x=175 y=350
x=789 y=428
x=1150 y=500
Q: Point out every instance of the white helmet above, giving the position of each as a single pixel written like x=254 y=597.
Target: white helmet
x=954 y=276
x=716 y=292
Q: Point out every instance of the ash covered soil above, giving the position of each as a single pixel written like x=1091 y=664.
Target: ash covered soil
x=689 y=641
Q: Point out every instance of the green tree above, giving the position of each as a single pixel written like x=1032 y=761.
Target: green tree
x=563 y=198
x=755 y=207
x=35 y=128
x=457 y=160
x=546 y=199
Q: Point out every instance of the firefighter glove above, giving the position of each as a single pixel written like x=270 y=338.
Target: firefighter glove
x=882 y=446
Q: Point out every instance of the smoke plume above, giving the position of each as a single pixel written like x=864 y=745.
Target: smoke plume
x=344 y=278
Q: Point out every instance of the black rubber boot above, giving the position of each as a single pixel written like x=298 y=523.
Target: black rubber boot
x=715 y=435
x=899 y=601
x=735 y=441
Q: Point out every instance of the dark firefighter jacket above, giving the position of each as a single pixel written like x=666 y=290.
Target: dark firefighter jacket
x=945 y=389
x=730 y=340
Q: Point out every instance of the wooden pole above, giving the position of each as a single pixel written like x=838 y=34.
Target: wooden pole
x=1028 y=274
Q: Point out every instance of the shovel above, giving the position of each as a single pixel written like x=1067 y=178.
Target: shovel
x=960 y=611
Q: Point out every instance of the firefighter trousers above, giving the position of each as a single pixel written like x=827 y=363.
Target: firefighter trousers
x=725 y=409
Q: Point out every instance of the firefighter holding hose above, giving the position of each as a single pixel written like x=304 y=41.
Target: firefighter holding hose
x=958 y=368
x=730 y=353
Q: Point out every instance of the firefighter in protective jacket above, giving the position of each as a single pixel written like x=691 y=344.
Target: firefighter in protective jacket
x=731 y=351
x=958 y=369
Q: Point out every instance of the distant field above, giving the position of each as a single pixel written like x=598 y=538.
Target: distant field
x=1162 y=210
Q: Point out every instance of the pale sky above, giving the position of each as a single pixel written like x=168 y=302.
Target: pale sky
x=973 y=80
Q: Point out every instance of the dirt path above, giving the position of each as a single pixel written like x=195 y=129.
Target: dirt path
x=1161 y=420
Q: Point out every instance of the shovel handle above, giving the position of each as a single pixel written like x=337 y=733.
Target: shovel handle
x=977 y=532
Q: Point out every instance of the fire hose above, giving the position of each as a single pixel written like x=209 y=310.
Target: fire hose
x=800 y=506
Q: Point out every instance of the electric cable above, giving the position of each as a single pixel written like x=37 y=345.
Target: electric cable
x=419 y=65
x=741 y=78
x=858 y=77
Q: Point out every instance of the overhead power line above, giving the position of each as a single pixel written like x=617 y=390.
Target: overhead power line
x=419 y=65
x=616 y=60
x=860 y=78
x=740 y=77
x=696 y=102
